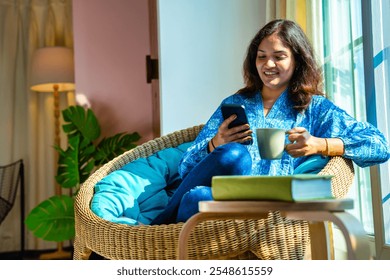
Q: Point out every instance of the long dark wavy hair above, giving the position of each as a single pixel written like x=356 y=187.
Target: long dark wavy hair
x=307 y=78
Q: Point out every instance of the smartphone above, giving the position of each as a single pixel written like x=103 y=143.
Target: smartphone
x=234 y=109
x=239 y=111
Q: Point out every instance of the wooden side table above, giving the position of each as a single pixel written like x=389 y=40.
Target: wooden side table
x=317 y=213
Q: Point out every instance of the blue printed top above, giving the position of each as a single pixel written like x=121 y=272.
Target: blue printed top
x=363 y=143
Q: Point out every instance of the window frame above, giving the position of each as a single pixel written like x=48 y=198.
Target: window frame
x=382 y=250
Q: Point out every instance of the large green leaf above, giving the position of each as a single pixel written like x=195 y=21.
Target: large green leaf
x=81 y=121
x=75 y=163
x=110 y=147
x=53 y=219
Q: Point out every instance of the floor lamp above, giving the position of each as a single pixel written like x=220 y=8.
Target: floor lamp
x=53 y=71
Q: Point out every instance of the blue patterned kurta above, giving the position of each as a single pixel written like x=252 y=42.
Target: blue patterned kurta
x=363 y=143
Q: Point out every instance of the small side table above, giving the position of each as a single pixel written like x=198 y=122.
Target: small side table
x=317 y=213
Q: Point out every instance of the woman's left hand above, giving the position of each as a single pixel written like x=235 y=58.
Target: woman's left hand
x=303 y=143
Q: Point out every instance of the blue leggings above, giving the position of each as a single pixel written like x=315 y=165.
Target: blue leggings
x=228 y=159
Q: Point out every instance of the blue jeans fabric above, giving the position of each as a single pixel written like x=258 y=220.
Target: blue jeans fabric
x=189 y=203
x=228 y=159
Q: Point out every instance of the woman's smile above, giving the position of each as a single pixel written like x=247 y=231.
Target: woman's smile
x=271 y=73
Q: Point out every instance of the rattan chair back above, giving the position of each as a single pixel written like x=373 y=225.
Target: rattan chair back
x=272 y=238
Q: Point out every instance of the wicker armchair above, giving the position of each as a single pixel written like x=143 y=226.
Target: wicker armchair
x=272 y=238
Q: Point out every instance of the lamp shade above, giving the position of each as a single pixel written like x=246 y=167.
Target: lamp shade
x=52 y=66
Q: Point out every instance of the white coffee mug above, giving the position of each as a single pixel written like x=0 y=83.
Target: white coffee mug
x=271 y=142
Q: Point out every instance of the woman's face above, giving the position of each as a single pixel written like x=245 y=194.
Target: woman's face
x=275 y=63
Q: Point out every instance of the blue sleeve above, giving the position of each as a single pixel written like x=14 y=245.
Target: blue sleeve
x=198 y=150
x=363 y=142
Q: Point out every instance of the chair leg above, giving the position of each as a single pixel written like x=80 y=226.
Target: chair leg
x=81 y=252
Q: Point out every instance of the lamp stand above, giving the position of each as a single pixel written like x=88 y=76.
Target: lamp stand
x=60 y=254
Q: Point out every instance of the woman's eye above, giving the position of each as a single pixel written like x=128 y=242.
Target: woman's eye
x=260 y=57
x=280 y=57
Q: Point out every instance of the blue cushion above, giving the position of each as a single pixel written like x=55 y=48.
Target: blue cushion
x=312 y=165
x=137 y=193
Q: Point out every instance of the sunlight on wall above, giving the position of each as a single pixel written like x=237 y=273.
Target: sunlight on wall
x=202 y=48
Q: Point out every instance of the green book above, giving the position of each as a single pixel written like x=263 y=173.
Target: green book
x=283 y=188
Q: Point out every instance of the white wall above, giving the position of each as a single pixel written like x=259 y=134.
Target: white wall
x=202 y=48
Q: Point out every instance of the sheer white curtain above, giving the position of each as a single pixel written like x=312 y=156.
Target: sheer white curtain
x=26 y=117
x=275 y=9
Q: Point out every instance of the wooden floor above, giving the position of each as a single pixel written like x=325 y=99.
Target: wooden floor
x=28 y=254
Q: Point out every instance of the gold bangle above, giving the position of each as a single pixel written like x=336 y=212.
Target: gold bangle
x=332 y=148
x=326 y=152
x=332 y=151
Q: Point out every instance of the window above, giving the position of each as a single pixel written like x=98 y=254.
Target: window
x=378 y=43
x=356 y=70
x=344 y=84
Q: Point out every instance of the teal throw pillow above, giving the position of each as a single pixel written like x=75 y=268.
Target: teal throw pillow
x=136 y=193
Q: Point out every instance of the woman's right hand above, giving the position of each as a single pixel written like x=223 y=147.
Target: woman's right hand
x=239 y=134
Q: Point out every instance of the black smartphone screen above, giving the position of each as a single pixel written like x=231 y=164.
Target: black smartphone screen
x=239 y=110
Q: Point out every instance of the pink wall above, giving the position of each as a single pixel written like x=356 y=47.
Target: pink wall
x=111 y=40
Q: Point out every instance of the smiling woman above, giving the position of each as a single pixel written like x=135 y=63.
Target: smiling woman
x=275 y=65
x=279 y=67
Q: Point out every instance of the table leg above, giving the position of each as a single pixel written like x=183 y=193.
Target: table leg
x=355 y=236
x=352 y=230
x=184 y=235
x=320 y=240
x=192 y=222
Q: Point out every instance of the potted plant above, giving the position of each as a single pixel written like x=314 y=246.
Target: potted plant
x=53 y=219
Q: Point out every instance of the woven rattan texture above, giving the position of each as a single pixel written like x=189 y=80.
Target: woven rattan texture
x=271 y=238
